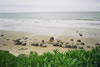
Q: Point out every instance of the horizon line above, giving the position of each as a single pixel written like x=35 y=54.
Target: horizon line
x=51 y=12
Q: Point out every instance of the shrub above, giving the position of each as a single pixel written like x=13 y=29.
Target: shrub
x=73 y=58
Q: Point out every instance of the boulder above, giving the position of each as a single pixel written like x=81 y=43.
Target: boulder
x=63 y=46
x=78 y=40
x=34 y=44
x=2 y=35
x=43 y=45
x=80 y=34
x=51 y=39
x=73 y=46
x=82 y=43
x=68 y=46
x=72 y=39
x=88 y=46
x=80 y=47
x=97 y=44
x=18 y=42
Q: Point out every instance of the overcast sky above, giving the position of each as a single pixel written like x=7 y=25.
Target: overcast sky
x=49 y=5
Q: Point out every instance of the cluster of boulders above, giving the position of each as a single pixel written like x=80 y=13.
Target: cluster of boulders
x=57 y=43
x=41 y=44
x=21 y=41
x=66 y=44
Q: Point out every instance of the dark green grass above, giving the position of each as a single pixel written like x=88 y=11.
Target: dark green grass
x=74 y=58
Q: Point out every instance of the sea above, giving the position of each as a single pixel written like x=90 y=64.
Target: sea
x=52 y=23
x=94 y=16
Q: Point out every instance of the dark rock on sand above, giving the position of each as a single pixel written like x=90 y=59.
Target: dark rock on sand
x=59 y=43
x=55 y=44
x=24 y=44
x=34 y=44
x=63 y=46
x=7 y=39
x=68 y=46
x=72 y=39
x=73 y=46
x=25 y=38
x=97 y=44
x=80 y=34
x=80 y=47
x=43 y=41
x=2 y=35
x=43 y=44
x=88 y=46
x=17 y=42
x=51 y=39
x=82 y=43
x=23 y=49
x=5 y=45
x=78 y=40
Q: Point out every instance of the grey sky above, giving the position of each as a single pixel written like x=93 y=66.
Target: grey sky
x=48 y=5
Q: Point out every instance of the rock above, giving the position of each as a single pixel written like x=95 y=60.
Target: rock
x=63 y=46
x=82 y=43
x=51 y=39
x=88 y=46
x=55 y=44
x=68 y=46
x=5 y=45
x=60 y=44
x=80 y=47
x=20 y=42
x=43 y=45
x=72 y=39
x=2 y=35
x=7 y=39
x=73 y=46
x=98 y=44
x=25 y=38
x=67 y=43
x=17 y=42
x=78 y=40
x=80 y=34
x=42 y=41
x=58 y=40
x=23 y=48
x=34 y=44
x=23 y=44
x=72 y=43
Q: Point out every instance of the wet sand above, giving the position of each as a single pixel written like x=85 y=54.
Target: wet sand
x=7 y=37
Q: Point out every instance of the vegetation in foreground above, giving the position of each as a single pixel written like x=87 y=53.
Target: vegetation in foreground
x=74 y=58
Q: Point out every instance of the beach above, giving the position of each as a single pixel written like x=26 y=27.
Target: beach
x=6 y=43
x=82 y=33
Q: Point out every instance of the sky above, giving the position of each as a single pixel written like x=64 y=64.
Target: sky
x=7 y=6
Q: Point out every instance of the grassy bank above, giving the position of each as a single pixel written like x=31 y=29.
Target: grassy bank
x=74 y=58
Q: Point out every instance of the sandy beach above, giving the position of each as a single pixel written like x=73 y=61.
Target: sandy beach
x=77 y=33
x=7 y=37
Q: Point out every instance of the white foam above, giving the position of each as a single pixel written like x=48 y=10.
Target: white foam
x=50 y=27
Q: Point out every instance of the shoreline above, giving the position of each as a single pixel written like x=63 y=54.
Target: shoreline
x=6 y=42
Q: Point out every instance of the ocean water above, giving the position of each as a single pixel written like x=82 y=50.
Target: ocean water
x=61 y=23
x=95 y=16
